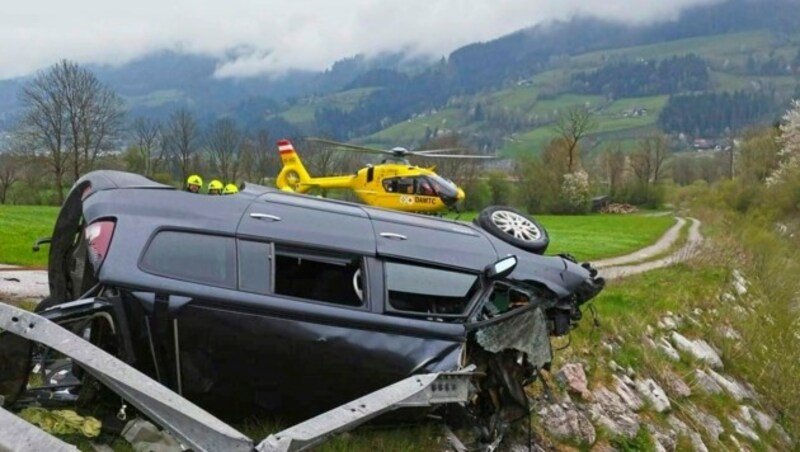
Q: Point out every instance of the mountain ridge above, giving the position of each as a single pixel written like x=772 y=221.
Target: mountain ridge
x=156 y=84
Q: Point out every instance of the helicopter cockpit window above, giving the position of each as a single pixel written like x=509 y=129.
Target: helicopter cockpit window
x=424 y=187
x=420 y=185
x=442 y=186
x=404 y=185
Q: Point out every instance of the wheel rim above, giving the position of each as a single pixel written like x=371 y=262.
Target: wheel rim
x=516 y=225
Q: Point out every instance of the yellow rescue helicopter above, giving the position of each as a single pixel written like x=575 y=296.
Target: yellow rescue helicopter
x=392 y=184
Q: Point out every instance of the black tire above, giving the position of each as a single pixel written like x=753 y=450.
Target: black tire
x=47 y=302
x=514 y=227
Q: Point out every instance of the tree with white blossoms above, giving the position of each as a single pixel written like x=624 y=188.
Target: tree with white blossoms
x=789 y=155
x=575 y=193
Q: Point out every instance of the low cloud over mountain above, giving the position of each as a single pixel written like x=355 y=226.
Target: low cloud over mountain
x=274 y=36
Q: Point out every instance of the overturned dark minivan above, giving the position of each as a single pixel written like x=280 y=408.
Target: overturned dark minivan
x=286 y=304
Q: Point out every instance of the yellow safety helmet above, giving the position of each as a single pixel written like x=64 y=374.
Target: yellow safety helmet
x=194 y=179
x=230 y=189
x=215 y=187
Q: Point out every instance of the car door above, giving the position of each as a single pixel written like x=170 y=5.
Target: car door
x=305 y=220
x=415 y=237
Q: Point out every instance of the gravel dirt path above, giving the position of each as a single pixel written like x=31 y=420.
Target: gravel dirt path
x=620 y=267
x=18 y=283
x=645 y=253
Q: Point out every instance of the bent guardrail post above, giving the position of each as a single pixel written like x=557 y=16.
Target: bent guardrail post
x=18 y=434
x=188 y=423
x=417 y=391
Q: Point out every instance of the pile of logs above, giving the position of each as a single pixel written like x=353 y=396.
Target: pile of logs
x=619 y=208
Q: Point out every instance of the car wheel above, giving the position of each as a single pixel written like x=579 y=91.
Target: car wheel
x=47 y=302
x=512 y=226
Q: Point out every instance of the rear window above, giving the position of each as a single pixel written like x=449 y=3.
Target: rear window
x=415 y=288
x=206 y=259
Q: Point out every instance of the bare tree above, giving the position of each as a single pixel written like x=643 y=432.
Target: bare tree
x=264 y=156
x=179 y=140
x=147 y=133
x=660 y=148
x=572 y=125
x=642 y=166
x=43 y=128
x=69 y=114
x=613 y=164
x=10 y=166
x=321 y=160
x=647 y=162
x=224 y=143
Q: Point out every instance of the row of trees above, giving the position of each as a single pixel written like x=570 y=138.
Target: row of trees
x=72 y=124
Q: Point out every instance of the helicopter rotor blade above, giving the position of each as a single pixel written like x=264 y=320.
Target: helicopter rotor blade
x=435 y=151
x=448 y=156
x=352 y=147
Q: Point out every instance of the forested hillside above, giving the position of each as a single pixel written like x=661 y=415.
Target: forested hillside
x=505 y=94
x=502 y=94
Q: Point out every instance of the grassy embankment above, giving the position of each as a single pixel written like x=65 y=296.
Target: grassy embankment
x=586 y=237
x=767 y=355
x=21 y=226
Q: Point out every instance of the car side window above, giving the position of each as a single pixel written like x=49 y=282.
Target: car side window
x=255 y=272
x=319 y=276
x=206 y=259
x=420 y=289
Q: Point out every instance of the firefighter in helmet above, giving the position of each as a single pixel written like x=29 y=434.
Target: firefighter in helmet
x=230 y=189
x=215 y=187
x=194 y=183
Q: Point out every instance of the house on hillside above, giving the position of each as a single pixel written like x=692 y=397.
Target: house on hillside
x=702 y=144
x=634 y=112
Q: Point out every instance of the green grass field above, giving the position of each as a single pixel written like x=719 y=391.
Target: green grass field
x=718 y=46
x=608 y=120
x=586 y=237
x=591 y=237
x=414 y=129
x=21 y=226
x=302 y=114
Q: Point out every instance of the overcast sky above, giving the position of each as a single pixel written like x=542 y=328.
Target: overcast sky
x=275 y=35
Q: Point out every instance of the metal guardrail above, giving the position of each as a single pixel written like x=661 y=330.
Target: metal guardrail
x=188 y=423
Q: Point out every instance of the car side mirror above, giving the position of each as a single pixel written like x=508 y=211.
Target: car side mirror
x=501 y=268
